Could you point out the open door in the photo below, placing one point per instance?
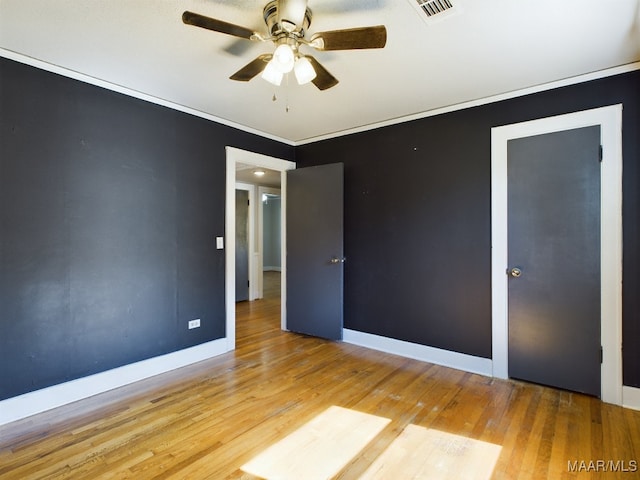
(315, 256)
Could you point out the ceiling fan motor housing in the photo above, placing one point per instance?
(276, 28)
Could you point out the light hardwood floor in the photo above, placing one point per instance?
(206, 420)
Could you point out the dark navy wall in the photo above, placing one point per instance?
(418, 218)
(109, 209)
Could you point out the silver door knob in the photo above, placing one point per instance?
(515, 272)
(335, 260)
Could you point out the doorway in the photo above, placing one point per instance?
(270, 217)
(234, 157)
(610, 121)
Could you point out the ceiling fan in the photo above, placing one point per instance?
(287, 22)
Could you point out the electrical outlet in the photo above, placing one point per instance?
(194, 323)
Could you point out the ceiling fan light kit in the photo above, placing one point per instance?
(272, 75)
(304, 71)
(287, 22)
(283, 58)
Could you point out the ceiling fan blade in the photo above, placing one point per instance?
(291, 14)
(324, 79)
(252, 69)
(197, 20)
(350, 38)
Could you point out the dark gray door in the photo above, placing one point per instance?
(242, 245)
(315, 261)
(554, 259)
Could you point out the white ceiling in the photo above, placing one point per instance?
(246, 174)
(490, 48)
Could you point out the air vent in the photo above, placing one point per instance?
(434, 7)
(435, 10)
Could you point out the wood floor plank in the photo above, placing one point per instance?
(208, 419)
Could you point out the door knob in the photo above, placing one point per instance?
(335, 260)
(515, 272)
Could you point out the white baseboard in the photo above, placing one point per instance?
(28, 404)
(631, 397)
(459, 361)
(31, 403)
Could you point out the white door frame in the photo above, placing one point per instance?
(234, 156)
(610, 121)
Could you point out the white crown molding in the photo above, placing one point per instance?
(610, 72)
(394, 121)
(65, 72)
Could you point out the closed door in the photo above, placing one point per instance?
(315, 261)
(242, 245)
(554, 259)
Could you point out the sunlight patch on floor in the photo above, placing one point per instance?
(320, 448)
(422, 453)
